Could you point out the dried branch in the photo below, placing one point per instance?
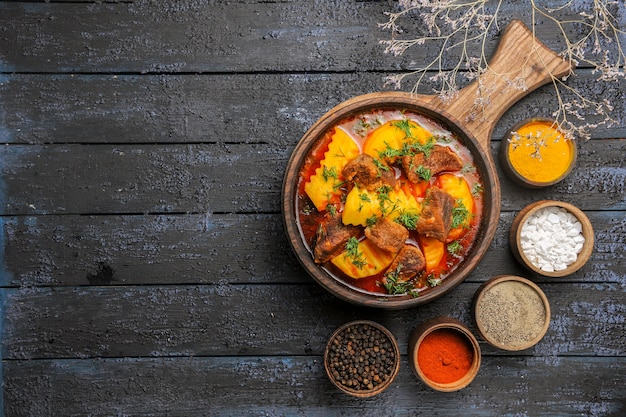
(456, 27)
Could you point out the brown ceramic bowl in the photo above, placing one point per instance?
(511, 312)
(376, 365)
(515, 237)
(304, 252)
(455, 329)
(515, 175)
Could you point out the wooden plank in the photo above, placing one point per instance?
(209, 36)
(143, 266)
(144, 249)
(142, 179)
(239, 320)
(221, 249)
(224, 108)
(223, 178)
(276, 386)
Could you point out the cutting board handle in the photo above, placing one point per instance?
(520, 64)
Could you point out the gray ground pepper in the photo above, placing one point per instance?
(512, 313)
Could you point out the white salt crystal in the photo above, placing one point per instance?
(573, 232)
(552, 238)
(553, 218)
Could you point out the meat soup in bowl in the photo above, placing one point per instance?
(389, 202)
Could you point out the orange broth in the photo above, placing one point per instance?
(359, 127)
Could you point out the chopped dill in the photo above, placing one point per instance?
(382, 193)
(405, 125)
(426, 148)
(433, 281)
(477, 189)
(328, 173)
(352, 251)
(394, 286)
(340, 153)
(338, 185)
(423, 172)
(409, 148)
(381, 166)
(361, 127)
(408, 220)
(460, 214)
(468, 168)
(455, 247)
(390, 152)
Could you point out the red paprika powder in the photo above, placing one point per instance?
(445, 356)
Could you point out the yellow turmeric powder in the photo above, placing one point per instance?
(539, 152)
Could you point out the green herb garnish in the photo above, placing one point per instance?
(338, 185)
(425, 148)
(382, 193)
(460, 214)
(423, 172)
(394, 286)
(455, 247)
(380, 166)
(408, 220)
(329, 173)
(433, 281)
(390, 152)
(361, 127)
(409, 148)
(468, 168)
(352, 252)
(405, 125)
(371, 221)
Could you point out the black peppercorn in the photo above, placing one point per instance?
(361, 357)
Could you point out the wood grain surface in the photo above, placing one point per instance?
(144, 268)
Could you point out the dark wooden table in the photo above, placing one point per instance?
(143, 265)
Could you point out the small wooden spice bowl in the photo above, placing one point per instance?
(444, 354)
(518, 240)
(362, 358)
(511, 313)
(518, 154)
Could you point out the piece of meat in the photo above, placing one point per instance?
(387, 235)
(408, 263)
(436, 216)
(440, 159)
(366, 173)
(331, 239)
